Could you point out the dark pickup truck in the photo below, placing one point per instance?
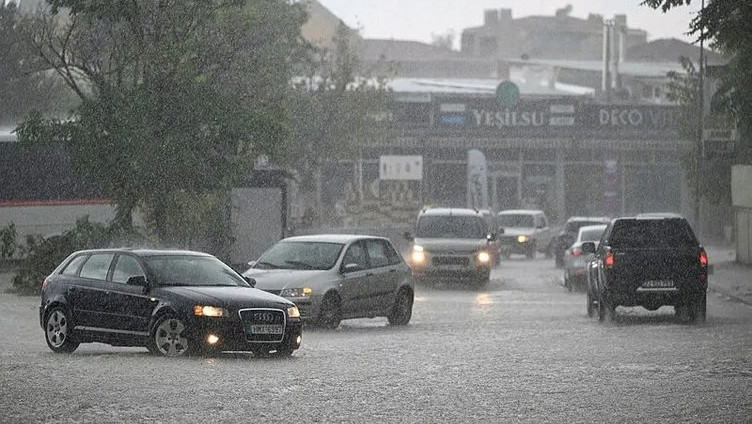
(649, 262)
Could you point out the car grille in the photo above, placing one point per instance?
(508, 239)
(451, 260)
(263, 318)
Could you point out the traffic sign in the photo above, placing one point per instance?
(507, 93)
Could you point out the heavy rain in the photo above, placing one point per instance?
(358, 211)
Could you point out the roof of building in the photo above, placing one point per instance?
(670, 50)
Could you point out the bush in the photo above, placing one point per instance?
(8, 241)
(42, 255)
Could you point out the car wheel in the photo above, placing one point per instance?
(601, 310)
(698, 309)
(402, 310)
(609, 309)
(331, 312)
(58, 331)
(169, 337)
(591, 305)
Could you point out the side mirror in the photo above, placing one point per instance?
(350, 268)
(408, 236)
(137, 280)
(251, 282)
(588, 247)
(251, 264)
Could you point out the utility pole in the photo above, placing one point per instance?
(700, 142)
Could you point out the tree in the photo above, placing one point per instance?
(727, 26)
(178, 97)
(23, 83)
(709, 178)
(333, 111)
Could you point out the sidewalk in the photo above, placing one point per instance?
(727, 277)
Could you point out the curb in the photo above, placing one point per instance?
(729, 295)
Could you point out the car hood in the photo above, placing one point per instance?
(451, 244)
(228, 297)
(278, 279)
(518, 231)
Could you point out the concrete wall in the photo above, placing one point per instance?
(741, 197)
(48, 218)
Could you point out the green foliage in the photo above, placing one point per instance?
(23, 83)
(42, 255)
(727, 26)
(8, 241)
(177, 96)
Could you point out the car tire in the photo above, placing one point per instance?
(330, 314)
(58, 331)
(592, 306)
(698, 309)
(169, 337)
(609, 309)
(402, 310)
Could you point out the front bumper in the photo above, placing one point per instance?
(233, 337)
(452, 265)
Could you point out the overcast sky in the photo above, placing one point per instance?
(419, 19)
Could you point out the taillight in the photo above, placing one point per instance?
(576, 252)
(703, 258)
(608, 261)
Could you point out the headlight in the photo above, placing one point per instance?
(209, 311)
(296, 292)
(418, 255)
(522, 239)
(293, 312)
(483, 256)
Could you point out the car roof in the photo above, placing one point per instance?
(521, 212)
(589, 218)
(450, 212)
(659, 215)
(332, 238)
(147, 251)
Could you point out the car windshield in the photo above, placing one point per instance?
(470, 227)
(517, 220)
(637, 233)
(301, 255)
(179, 270)
(592, 234)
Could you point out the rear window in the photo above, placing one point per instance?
(630, 233)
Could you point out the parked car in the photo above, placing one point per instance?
(525, 232)
(452, 242)
(172, 302)
(568, 234)
(575, 260)
(332, 277)
(649, 261)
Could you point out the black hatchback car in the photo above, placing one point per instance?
(172, 302)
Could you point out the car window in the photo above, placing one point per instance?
(391, 254)
(356, 254)
(377, 253)
(126, 267)
(74, 265)
(189, 270)
(517, 220)
(97, 266)
(638, 233)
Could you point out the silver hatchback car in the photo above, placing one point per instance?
(331, 277)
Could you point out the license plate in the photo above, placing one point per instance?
(658, 284)
(266, 329)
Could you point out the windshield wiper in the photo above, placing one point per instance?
(301, 264)
(267, 264)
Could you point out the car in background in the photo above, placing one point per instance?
(649, 261)
(332, 277)
(174, 303)
(576, 261)
(492, 220)
(526, 231)
(452, 242)
(567, 236)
